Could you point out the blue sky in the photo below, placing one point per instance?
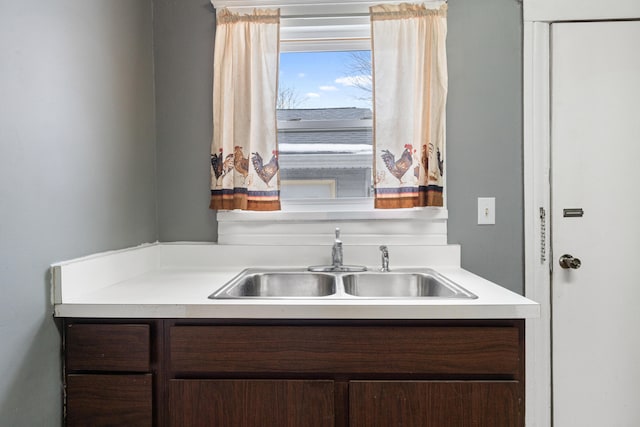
(321, 79)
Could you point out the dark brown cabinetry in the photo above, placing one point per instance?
(308, 373)
(109, 374)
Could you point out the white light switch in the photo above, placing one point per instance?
(486, 210)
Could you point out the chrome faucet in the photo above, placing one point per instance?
(336, 251)
(337, 265)
(385, 258)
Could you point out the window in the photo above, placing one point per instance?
(309, 28)
(324, 124)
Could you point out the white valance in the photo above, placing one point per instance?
(311, 8)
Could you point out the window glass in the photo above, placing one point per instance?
(324, 124)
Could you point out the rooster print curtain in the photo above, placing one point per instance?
(244, 151)
(410, 91)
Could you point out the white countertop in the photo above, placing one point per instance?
(175, 280)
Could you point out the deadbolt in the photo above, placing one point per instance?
(568, 261)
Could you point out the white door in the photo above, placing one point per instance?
(595, 158)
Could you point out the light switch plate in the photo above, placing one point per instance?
(486, 210)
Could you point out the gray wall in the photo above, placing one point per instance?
(77, 170)
(484, 129)
(183, 51)
(484, 136)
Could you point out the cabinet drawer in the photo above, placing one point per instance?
(109, 400)
(458, 350)
(95, 347)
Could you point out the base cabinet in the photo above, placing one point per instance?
(181, 372)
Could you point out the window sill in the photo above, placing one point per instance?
(321, 211)
(313, 222)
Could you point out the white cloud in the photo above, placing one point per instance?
(328, 88)
(301, 75)
(313, 95)
(354, 80)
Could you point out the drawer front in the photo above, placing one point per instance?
(407, 350)
(109, 400)
(96, 347)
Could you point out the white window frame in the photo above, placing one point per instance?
(325, 25)
(327, 184)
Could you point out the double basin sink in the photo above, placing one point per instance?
(304, 284)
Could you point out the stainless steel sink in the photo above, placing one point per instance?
(427, 284)
(278, 284)
(303, 284)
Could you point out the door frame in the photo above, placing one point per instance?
(537, 191)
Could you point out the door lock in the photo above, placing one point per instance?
(568, 261)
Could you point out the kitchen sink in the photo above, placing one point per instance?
(402, 285)
(304, 284)
(278, 284)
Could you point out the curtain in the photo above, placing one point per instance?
(244, 151)
(410, 90)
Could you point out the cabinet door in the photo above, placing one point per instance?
(109, 400)
(435, 404)
(251, 403)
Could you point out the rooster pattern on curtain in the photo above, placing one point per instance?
(407, 174)
(242, 170)
(400, 167)
(221, 165)
(267, 171)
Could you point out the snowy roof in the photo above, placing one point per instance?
(349, 113)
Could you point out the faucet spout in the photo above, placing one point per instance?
(385, 258)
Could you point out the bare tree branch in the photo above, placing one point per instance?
(289, 98)
(360, 66)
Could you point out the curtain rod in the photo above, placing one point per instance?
(252, 4)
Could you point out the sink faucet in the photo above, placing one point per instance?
(385, 258)
(336, 251)
(337, 265)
